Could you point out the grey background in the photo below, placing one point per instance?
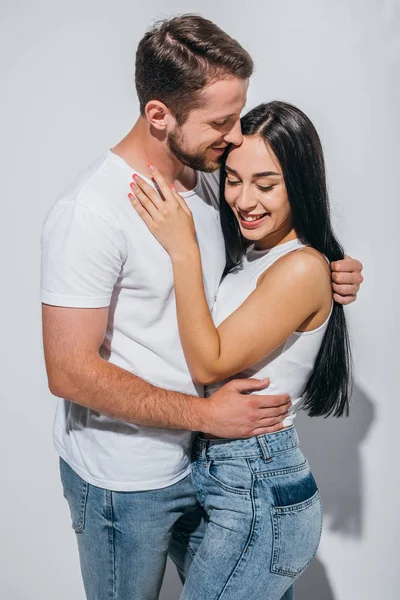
(66, 96)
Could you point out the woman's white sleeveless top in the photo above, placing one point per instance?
(289, 366)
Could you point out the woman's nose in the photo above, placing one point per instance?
(245, 202)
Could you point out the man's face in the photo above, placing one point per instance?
(202, 141)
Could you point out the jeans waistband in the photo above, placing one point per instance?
(261, 445)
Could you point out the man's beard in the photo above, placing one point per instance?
(198, 161)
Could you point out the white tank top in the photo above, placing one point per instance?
(289, 366)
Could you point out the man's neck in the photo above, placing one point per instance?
(142, 146)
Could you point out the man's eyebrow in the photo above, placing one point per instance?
(256, 175)
(222, 118)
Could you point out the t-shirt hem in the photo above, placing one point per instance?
(74, 301)
(118, 486)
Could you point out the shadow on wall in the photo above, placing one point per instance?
(333, 448)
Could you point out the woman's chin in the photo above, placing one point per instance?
(253, 235)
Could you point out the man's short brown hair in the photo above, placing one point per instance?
(178, 57)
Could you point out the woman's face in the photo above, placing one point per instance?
(256, 192)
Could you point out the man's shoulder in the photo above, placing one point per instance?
(99, 188)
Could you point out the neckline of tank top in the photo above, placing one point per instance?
(262, 252)
(123, 163)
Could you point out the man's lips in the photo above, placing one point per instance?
(219, 148)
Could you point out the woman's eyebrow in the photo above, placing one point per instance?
(266, 174)
(256, 175)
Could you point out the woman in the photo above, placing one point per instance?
(274, 318)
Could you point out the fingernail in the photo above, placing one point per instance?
(130, 196)
(133, 185)
(135, 176)
(173, 188)
(151, 167)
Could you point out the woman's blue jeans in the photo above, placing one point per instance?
(255, 529)
(263, 518)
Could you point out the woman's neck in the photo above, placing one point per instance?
(276, 238)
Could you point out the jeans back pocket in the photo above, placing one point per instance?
(296, 532)
(75, 492)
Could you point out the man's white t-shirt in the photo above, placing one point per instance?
(97, 252)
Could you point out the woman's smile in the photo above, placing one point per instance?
(251, 221)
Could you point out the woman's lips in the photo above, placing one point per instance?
(252, 224)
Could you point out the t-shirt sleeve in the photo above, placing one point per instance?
(82, 256)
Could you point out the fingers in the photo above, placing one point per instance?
(345, 289)
(270, 402)
(274, 412)
(142, 212)
(270, 429)
(344, 300)
(169, 192)
(181, 201)
(164, 188)
(347, 264)
(248, 385)
(147, 196)
(346, 278)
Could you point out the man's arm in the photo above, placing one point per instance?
(72, 338)
(346, 279)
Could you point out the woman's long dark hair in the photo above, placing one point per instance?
(295, 143)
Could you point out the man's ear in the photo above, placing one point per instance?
(158, 115)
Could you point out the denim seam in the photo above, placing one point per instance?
(275, 528)
(185, 542)
(110, 526)
(283, 510)
(80, 525)
(223, 457)
(284, 449)
(226, 487)
(266, 474)
(247, 545)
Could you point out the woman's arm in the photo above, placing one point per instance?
(294, 288)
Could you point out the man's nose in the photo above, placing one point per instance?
(235, 135)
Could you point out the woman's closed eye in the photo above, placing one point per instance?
(262, 188)
(267, 188)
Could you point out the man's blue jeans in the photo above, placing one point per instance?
(124, 538)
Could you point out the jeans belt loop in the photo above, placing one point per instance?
(204, 451)
(264, 448)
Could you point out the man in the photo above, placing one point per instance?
(112, 348)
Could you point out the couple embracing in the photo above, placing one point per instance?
(188, 311)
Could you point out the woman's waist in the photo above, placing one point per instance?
(260, 445)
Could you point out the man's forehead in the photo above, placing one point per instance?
(223, 99)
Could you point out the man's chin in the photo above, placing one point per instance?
(210, 167)
(200, 164)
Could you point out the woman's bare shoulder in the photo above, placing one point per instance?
(304, 263)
